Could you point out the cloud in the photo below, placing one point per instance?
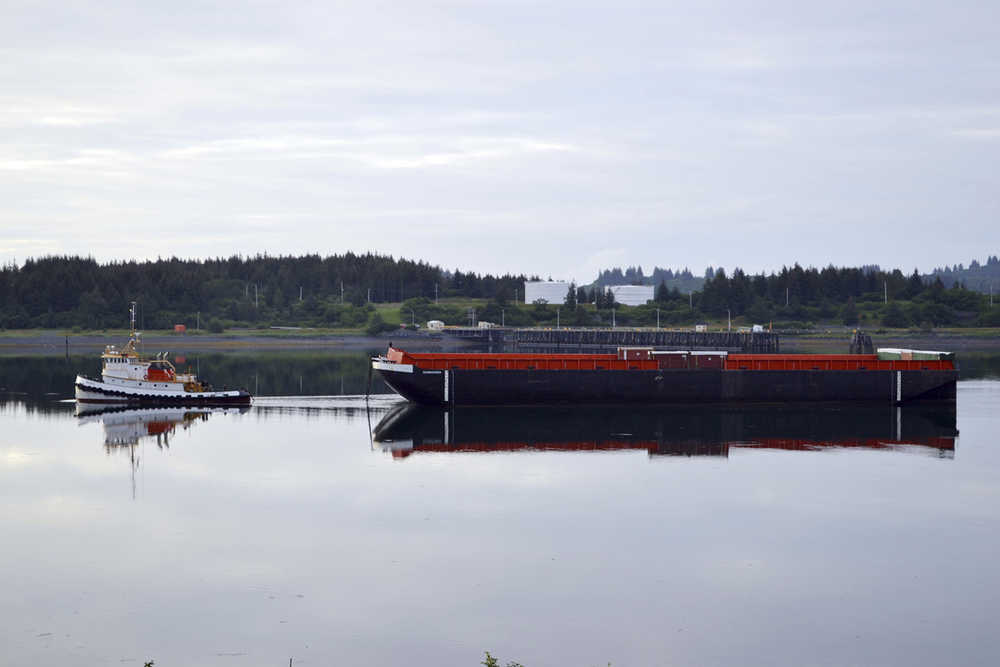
(509, 136)
(982, 134)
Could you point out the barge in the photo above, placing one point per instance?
(646, 375)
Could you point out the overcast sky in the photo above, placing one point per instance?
(554, 138)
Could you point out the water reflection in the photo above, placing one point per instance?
(126, 428)
(668, 431)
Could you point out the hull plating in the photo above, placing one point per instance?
(520, 387)
(92, 391)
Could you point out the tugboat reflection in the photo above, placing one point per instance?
(125, 428)
(668, 431)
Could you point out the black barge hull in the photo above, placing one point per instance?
(525, 387)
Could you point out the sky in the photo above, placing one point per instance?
(553, 138)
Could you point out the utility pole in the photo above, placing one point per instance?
(885, 287)
(300, 292)
(657, 318)
(369, 295)
(612, 318)
(502, 323)
(691, 300)
(729, 318)
(256, 300)
(786, 297)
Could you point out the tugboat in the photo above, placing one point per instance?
(126, 377)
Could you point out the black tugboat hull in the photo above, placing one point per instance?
(94, 391)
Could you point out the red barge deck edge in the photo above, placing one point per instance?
(643, 375)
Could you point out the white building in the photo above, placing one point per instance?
(632, 295)
(550, 291)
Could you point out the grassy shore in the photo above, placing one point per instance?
(831, 338)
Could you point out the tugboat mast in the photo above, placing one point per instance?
(133, 336)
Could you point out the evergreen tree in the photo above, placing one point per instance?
(849, 313)
(571, 296)
(893, 316)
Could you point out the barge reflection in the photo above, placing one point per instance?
(668, 431)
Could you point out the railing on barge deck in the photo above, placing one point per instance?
(760, 342)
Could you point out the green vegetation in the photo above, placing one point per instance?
(490, 661)
(682, 280)
(865, 297)
(339, 291)
(372, 294)
(979, 277)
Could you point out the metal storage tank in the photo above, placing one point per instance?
(632, 295)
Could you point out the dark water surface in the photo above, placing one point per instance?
(829, 535)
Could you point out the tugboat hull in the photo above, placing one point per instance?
(150, 393)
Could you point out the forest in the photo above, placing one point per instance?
(63, 292)
(376, 292)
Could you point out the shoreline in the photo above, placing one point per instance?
(49, 342)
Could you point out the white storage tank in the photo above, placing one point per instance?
(549, 291)
(632, 295)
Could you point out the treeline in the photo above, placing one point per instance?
(980, 277)
(983, 277)
(850, 295)
(795, 298)
(341, 290)
(682, 279)
(73, 291)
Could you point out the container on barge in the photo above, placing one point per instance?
(645, 375)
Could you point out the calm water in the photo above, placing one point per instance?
(771, 536)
